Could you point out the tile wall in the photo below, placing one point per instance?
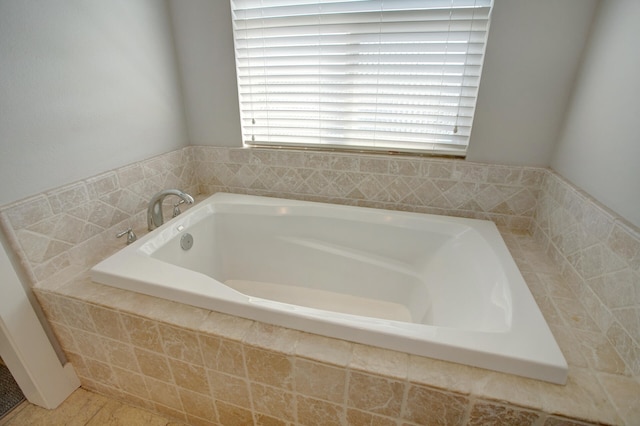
(507, 195)
(60, 234)
(598, 254)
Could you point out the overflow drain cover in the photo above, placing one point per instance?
(186, 241)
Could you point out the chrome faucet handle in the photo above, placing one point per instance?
(176, 208)
(131, 236)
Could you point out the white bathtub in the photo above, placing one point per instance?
(436, 286)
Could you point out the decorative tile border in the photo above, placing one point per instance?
(506, 195)
(599, 256)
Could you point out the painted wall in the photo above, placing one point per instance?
(533, 54)
(599, 147)
(86, 86)
(204, 43)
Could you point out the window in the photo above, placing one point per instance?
(385, 75)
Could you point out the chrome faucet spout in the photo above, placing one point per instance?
(154, 210)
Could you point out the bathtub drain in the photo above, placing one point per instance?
(186, 241)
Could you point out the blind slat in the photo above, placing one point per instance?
(371, 74)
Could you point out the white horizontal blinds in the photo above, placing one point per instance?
(397, 75)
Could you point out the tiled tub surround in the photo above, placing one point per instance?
(503, 194)
(598, 255)
(157, 352)
(59, 233)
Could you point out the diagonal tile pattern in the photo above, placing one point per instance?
(506, 195)
(599, 255)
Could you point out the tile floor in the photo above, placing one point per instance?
(84, 408)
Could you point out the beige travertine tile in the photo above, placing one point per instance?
(78, 363)
(181, 315)
(197, 421)
(64, 336)
(616, 289)
(107, 390)
(231, 415)
(625, 394)
(428, 406)
(189, 376)
(402, 167)
(264, 420)
(197, 404)
(27, 212)
(486, 413)
(68, 197)
(597, 310)
(575, 315)
(599, 353)
(374, 165)
(379, 361)
(320, 381)
(629, 319)
(272, 337)
(549, 311)
(120, 354)
(375, 394)
(108, 323)
(101, 372)
(170, 413)
(143, 332)
(131, 383)
(164, 393)
(444, 375)
(75, 313)
(314, 412)
(153, 364)
(361, 418)
(569, 345)
(581, 398)
(628, 349)
(229, 388)
(273, 402)
(180, 344)
(222, 355)
(507, 387)
(625, 242)
(49, 303)
(269, 368)
(556, 285)
(325, 349)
